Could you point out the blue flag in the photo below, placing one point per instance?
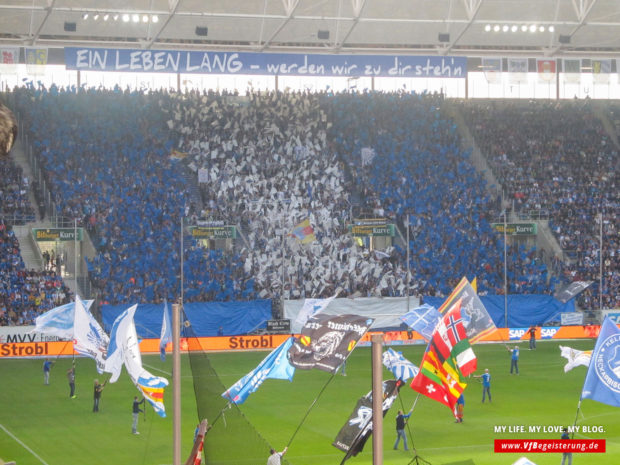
(603, 378)
(422, 319)
(275, 366)
(166, 332)
(400, 367)
(58, 321)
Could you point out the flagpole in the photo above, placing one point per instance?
(310, 409)
(75, 258)
(600, 260)
(505, 269)
(182, 260)
(176, 383)
(408, 265)
(377, 399)
(415, 401)
(576, 416)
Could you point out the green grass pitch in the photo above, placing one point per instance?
(40, 425)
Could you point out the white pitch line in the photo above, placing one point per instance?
(157, 369)
(16, 439)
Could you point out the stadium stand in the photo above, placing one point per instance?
(15, 207)
(272, 160)
(24, 294)
(556, 160)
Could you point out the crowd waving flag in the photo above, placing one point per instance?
(400, 367)
(89, 338)
(166, 332)
(303, 232)
(448, 358)
(58, 321)
(327, 340)
(575, 357)
(478, 323)
(124, 350)
(423, 320)
(274, 366)
(602, 381)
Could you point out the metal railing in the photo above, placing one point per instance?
(16, 219)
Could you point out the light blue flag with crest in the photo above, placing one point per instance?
(166, 332)
(400, 367)
(58, 321)
(274, 366)
(422, 319)
(603, 378)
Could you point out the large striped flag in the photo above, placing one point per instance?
(438, 381)
(124, 350)
(400, 367)
(451, 339)
(448, 358)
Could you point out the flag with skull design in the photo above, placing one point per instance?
(326, 341)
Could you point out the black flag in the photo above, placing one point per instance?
(353, 435)
(477, 321)
(327, 340)
(570, 291)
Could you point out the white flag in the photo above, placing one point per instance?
(88, 337)
(58, 321)
(575, 357)
(166, 332)
(312, 307)
(124, 350)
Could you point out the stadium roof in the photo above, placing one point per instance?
(578, 27)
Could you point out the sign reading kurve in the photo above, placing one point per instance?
(516, 229)
(57, 234)
(214, 232)
(371, 230)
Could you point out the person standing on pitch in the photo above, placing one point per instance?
(276, 457)
(136, 414)
(71, 380)
(47, 366)
(97, 395)
(566, 455)
(486, 383)
(401, 421)
(460, 407)
(532, 332)
(514, 359)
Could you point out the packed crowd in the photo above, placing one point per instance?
(557, 158)
(24, 294)
(268, 161)
(15, 205)
(114, 172)
(418, 171)
(269, 167)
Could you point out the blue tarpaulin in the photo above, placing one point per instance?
(523, 310)
(205, 317)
